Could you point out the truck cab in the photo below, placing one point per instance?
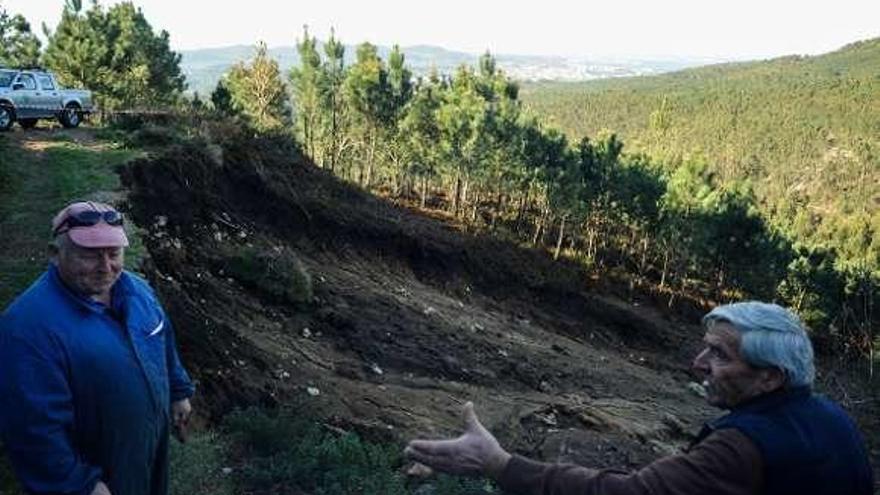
(27, 95)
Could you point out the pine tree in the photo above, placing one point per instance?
(221, 99)
(333, 104)
(77, 50)
(258, 92)
(19, 47)
(306, 81)
(368, 94)
(420, 133)
(116, 54)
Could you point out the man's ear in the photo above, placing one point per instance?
(53, 251)
(772, 379)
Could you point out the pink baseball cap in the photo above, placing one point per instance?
(86, 229)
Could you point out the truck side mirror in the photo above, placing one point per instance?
(17, 86)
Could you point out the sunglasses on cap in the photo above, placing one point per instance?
(89, 218)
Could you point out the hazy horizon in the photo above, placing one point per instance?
(750, 29)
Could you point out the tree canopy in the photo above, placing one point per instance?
(116, 54)
(19, 47)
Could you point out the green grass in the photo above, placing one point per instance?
(288, 452)
(197, 467)
(39, 182)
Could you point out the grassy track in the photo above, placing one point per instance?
(41, 172)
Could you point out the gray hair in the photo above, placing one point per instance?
(771, 337)
(61, 242)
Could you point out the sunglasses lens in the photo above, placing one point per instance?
(89, 217)
(92, 217)
(113, 217)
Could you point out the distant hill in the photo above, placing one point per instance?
(803, 130)
(204, 67)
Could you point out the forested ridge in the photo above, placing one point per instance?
(802, 131)
(751, 180)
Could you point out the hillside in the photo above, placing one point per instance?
(409, 318)
(802, 130)
(404, 317)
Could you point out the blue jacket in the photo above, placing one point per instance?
(85, 389)
(808, 444)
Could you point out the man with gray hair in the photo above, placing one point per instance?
(90, 379)
(778, 437)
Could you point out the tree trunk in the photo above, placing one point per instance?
(371, 154)
(561, 236)
(424, 197)
(475, 207)
(333, 130)
(539, 227)
(499, 206)
(456, 191)
(463, 204)
(665, 268)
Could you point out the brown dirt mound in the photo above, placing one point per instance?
(407, 317)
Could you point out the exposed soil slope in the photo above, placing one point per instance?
(409, 318)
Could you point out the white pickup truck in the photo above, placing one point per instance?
(29, 95)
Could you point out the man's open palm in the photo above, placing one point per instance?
(475, 453)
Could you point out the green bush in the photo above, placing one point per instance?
(288, 452)
(276, 273)
(151, 136)
(197, 466)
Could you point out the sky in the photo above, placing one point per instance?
(718, 29)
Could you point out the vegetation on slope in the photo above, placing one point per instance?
(680, 223)
(801, 130)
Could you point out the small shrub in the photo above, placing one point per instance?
(289, 452)
(276, 273)
(152, 135)
(197, 467)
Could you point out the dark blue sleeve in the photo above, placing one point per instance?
(181, 385)
(37, 417)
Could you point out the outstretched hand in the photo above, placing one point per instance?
(475, 453)
(101, 489)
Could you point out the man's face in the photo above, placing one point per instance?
(729, 380)
(90, 271)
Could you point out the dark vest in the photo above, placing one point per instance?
(808, 444)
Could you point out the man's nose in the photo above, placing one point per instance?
(106, 261)
(699, 363)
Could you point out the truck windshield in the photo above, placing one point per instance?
(6, 78)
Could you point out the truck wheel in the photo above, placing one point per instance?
(27, 123)
(7, 117)
(70, 116)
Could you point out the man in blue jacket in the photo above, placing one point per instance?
(90, 379)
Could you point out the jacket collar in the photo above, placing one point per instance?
(773, 399)
(757, 405)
